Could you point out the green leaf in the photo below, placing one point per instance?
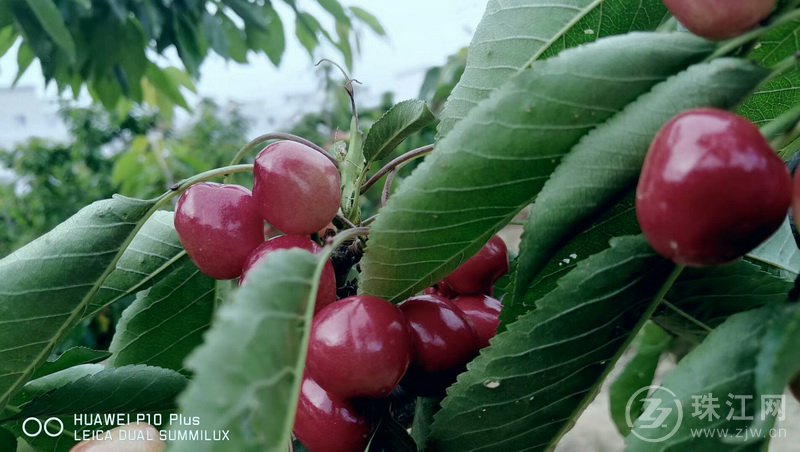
(46, 286)
(253, 357)
(53, 23)
(306, 32)
(370, 20)
(8, 36)
(779, 359)
(24, 59)
(398, 123)
(128, 389)
(607, 162)
(8, 442)
(513, 34)
(153, 252)
(390, 436)
(167, 321)
(72, 357)
(498, 158)
(424, 411)
(781, 93)
(779, 252)
(723, 364)
(531, 384)
(46, 384)
(275, 44)
(336, 10)
(165, 85)
(638, 373)
(250, 13)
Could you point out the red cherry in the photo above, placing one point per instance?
(478, 273)
(711, 189)
(326, 294)
(483, 314)
(359, 347)
(326, 423)
(443, 339)
(719, 19)
(218, 226)
(295, 187)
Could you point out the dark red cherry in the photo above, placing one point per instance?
(326, 423)
(478, 273)
(719, 19)
(218, 226)
(483, 314)
(711, 189)
(443, 338)
(326, 293)
(360, 346)
(296, 188)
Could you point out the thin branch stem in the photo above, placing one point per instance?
(261, 139)
(387, 186)
(345, 221)
(397, 163)
(346, 235)
(348, 87)
(730, 46)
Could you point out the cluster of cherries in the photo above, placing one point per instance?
(363, 347)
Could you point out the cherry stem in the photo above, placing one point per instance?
(732, 45)
(687, 316)
(345, 221)
(261, 139)
(387, 186)
(397, 163)
(348, 87)
(348, 234)
(780, 125)
(178, 188)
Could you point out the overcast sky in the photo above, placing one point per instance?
(421, 33)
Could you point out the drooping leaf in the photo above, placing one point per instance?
(638, 373)
(720, 368)
(779, 252)
(306, 32)
(607, 162)
(167, 321)
(72, 357)
(8, 36)
(53, 23)
(370, 20)
(397, 124)
(46, 286)
(513, 34)
(497, 159)
(531, 384)
(154, 251)
(253, 357)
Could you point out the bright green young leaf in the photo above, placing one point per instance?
(370, 20)
(513, 34)
(607, 162)
(336, 10)
(497, 159)
(723, 364)
(780, 252)
(24, 59)
(306, 32)
(8, 36)
(398, 123)
(72, 357)
(783, 92)
(531, 384)
(50, 18)
(248, 371)
(638, 373)
(46, 286)
(167, 321)
(154, 252)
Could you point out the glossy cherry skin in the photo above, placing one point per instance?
(296, 188)
(483, 314)
(218, 226)
(720, 19)
(442, 336)
(326, 423)
(711, 189)
(478, 273)
(326, 293)
(360, 346)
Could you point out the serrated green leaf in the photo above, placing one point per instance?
(398, 123)
(51, 21)
(779, 252)
(527, 388)
(368, 19)
(46, 286)
(607, 161)
(723, 364)
(74, 356)
(496, 160)
(638, 373)
(511, 35)
(253, 357)
(153, 252)
(167, 321)
(43, 385)
(783, 92)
